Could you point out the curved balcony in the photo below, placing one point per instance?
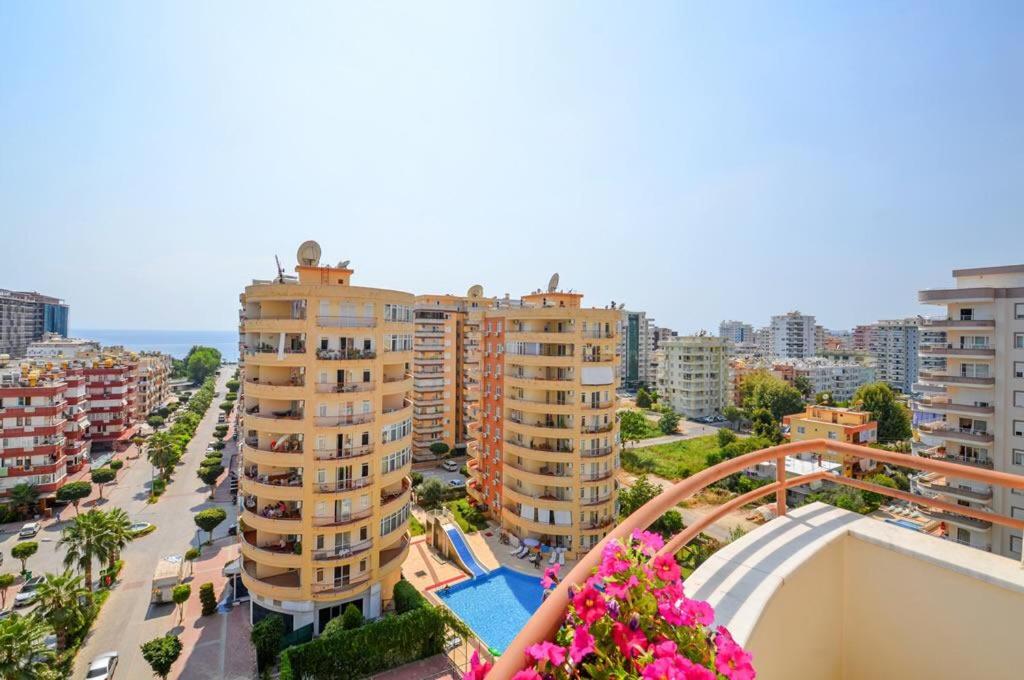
(344, 454)
(346, 321)
(343, 420)
(543, 476)
(599, 428)
(592, 477)
(538, 500)
(290, 358)
(287, 524)
(947, 379)
(542, 337)
(265, 390)
(540, 383)
(344, 388)
(284, 586)
(345, 355)
(601, 524)
(958, 492)
(957, 519)
(539, 406)
(598, 452)
(271, 556)
(601, 499)
(343, 519)
(391, 503)
(272, 423)
(343, 486)
(277, 492)
(392, 557)
(554, 360)
(564, 430)
(943, 406)
(952, 352)
(341, 553)
(538, 455)
(959, 324)
(949, 432)
(270, 324)
(341, 588)
(537, 527)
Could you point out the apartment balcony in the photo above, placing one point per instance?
(270, 554)
(393, 501)
(510, 517)
(598, 428)
(959, 324)
(394, 556)
(957, 520)
(598, 405)
(283, 586)
(342, 486)
(345, 354)
(392, 414)
(343, 420)
(597, 525)
(274, 324)
(264, 519)
(598, 334)
(951, 295)
(555, 383)
(543, 476)
(958, 434)
(343, 454)
(538, 499)
(553, 360)
(346, 321)
(599, 476)
(949, 379)
(397, 384)
(284, 457)
(591, 500)
(342, 552)
(285, 390)
(292, 423)
(958, 492)
(553, 429)
(283, 489)
(344, 388)
(342, 519)
(597, 452)
(533, 405)
(952, 352)
(946, 406)
(341, 587)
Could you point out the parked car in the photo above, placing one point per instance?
(29, 530)
(450, 465)
(27, 594)
(102, 667)
(456, 483)
(222, 418)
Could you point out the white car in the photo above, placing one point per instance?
(102, 667)
(456, 483)
(29, 530)
(27, 594)
(450, 465)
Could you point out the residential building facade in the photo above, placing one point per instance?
(26, 317)
(838, 378)
(979, 394)
(327, 422)
(696, 376)
(637, 343)
(56, 347)
(894, 347)
(152, 377)
(793, 335)
(547, 439)
(736, 332)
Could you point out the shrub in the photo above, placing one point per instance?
(417, 478)
(158, 486)
(74, 492)
(352, 618)
(668, 423)
(155, 421)
(226, 406)
(161, 653)
(221, 428)
(24, 550)
(232, 385)
(439, 448)
(207, 597)
(116, 464)
(219, 446)
(725, 437)
(407, 597)
(209, 475)
(266, 637)
(179, 595)
(464, 471)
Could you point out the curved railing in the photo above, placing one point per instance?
(546, 620)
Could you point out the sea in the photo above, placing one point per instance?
(175, 343)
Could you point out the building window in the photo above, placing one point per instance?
(1018, 340)
(1018, 398)
(1016, 513)
(1018, 428)
(833, 435)
(1015, 544)
(1018, 310)
(1018, 456)
(1018, 369)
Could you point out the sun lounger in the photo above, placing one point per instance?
(554, 556)
(561, 556)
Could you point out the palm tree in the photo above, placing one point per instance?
(85, 539)
(23, 653)
(61, 599)
(22, 496)
(161, 451)
(118, 534)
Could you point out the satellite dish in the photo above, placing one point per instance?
(475, 291)
(309, 254)
(343, 264)
(553, 283)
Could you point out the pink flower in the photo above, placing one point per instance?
(621, 590)
(662, 669)
(614, 559)
(650, 541)
(550, 577)
(698, 611)
(582, 644)
(671, 592)
(732, 661)
(665, 648)
(590, 605)
(527, 674)
(630, 642)
(477, 670)
(547, 651)
(665, 568)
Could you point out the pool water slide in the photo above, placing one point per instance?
(466, 557)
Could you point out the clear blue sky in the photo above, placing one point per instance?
(700, 161)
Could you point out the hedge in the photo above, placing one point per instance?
(407, 597)
(386, 643)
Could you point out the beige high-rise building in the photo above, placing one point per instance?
(979, 396)
(152, 375)
(547, 440)
(695, 377)
(327, 442)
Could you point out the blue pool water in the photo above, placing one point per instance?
(465, 553)
(906, 524)
(496, 606)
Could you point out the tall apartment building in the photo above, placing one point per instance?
(980, 397)
(839, 378)
(547, 439)
(152, 376)
(864, 336)
(695, 381)
(636, 347)
(327, 422)
(112, 390)
(793, 336)
(26, 317)
(895, 348)
(763, 341)
(736, 332)
(43, 422)
(446, 369)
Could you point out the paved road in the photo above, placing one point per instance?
(444, 475)
(127, 620)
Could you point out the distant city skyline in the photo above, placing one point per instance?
(700, 162)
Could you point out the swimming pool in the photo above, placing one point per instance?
(905, 523)
(495, 606)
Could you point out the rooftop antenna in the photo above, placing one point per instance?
(343, 264)
(553, 283)
(280, 270)
(309, 254)
(475, 291)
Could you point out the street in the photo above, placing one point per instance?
(127, 620)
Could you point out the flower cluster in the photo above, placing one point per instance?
(632, 619)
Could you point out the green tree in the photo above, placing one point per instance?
(761, 389)
(875, 499)
(85, 539)
(24, 550)
(101, 476)
(191, 555)
(232, 385)
(201, 363)
(118, 527)
(352, 618)
(155, 421)
(266, 637)
(439, 448)
(209, 475)
(209, 519)
(208, 599)
(22, 496)
(416, 477)
(892, 417)
(179, 595)
(23, 652)
(6, 581)
(226, 406)
(633, 426)
(765, 425)
(643, 398)
(668, 423)
(804, 386)
(634, 497)
(161, 653)
(733, 414)
(74, 492)
(430, 493)
(162, 452)
(725, 437)
(62, 602)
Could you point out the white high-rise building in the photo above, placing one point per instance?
(694, 376)
(894, 346)
(980, 396)
(736, 332)
(793, 336)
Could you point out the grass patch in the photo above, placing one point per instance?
(467, 517)
(676, 460)
(416, 528)
(148, 530)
